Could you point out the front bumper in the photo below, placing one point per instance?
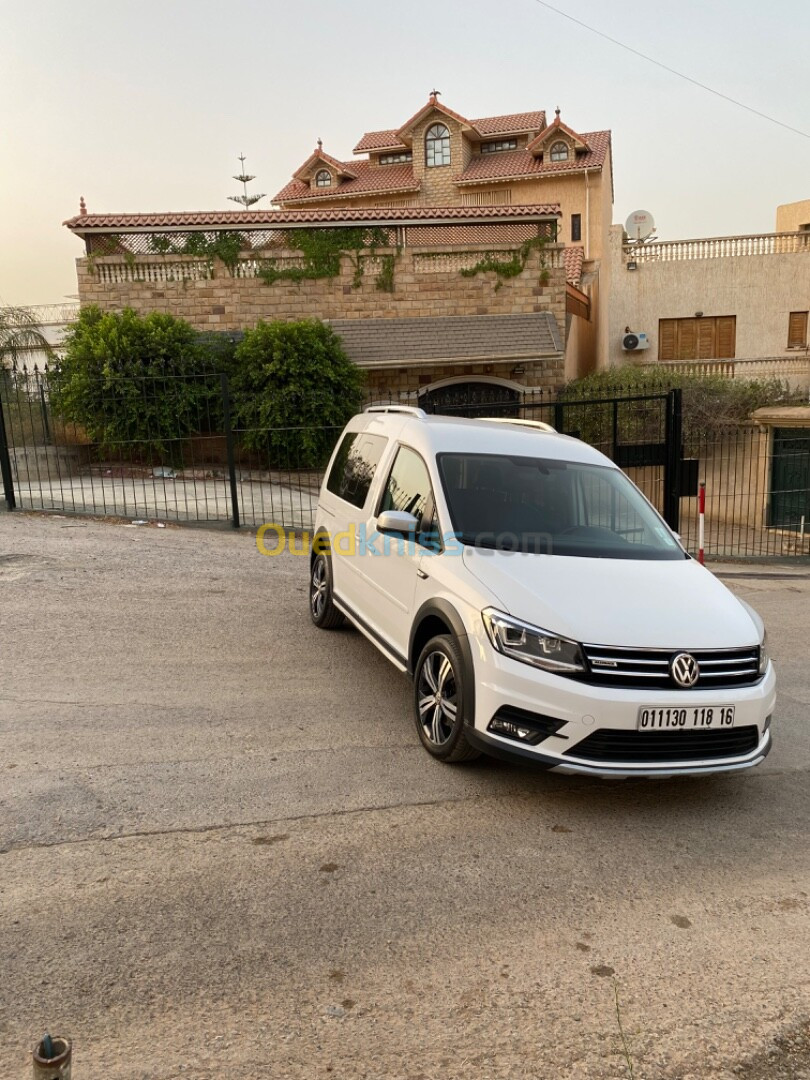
(586, 709)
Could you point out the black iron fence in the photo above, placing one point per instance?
(170, 449)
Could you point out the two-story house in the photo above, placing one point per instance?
(440, 158)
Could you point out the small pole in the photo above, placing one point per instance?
(5, 463)
(226, 416)
(701, 520)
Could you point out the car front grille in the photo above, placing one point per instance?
(608, 666)
(657, 747)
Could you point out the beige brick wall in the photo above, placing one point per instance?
(403, 383)
(227, 303)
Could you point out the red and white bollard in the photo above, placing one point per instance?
(701, 520)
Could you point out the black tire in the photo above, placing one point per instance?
(440, 722)
(321, 609)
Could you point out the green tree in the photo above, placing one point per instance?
(293, 386)
(136, 384)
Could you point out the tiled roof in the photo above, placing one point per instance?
(339, 166)
(271, 219)
(521, 164)
(380, 140)
(510, 124)
(573, 258)
(555, 126)
(432, 104)
(368, 180)
(460, 338)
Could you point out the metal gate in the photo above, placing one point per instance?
(789, 506)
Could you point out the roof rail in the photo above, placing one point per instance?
(538, 425)
(409, 410)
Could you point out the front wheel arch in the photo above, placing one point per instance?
(435, 617)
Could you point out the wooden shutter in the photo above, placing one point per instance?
(667, 339)
(706, 332)
(797, 330)
(687, 339)
(726, 337)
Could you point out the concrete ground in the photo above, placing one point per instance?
(224, 854)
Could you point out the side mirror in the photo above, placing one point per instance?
(397, 521)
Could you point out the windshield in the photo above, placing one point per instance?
(551, 507)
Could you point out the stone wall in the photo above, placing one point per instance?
(427, 283)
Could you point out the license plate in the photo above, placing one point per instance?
(675, 718)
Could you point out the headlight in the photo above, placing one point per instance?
(763, 654)
(531, 645)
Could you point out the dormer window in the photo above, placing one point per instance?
(559, 151)
(396, 159)
(496, 147)
(437, 146)
(323, 178)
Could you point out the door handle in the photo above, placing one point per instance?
(421, 573)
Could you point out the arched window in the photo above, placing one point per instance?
(323, 178)
(437, 146)
(559, 151)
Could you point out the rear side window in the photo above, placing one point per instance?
(354, 466)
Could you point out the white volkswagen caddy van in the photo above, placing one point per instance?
(542, 606)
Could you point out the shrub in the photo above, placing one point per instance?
(713, 405)
(292, 384)
(135, 382)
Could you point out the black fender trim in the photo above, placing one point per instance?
(318, 547)
(516, 755)
(445, 611)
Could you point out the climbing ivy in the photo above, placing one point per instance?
(511, 267)
(322, 250)
(385, 278)
(225, 246)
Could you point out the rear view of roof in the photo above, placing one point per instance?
(369, 180)
(512, 123)
(384, 342)
(380, 140)
(518, 164)
(509, 124)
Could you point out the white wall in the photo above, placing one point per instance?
(761, 290)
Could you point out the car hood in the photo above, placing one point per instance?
(665, 605)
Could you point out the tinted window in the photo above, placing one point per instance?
(551, 507)
(408, 488)
(354, 466)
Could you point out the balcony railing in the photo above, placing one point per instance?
(719, 247)
(795, 368)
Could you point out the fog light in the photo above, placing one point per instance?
(523, 726)
(511, 731)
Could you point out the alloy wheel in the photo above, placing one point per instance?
(319, 588)
(437, 697)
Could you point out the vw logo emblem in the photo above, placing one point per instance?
(684, 669)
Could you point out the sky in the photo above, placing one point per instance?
(145, 105)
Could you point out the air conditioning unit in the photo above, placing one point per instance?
(635, 342)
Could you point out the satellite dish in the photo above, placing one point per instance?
(639, 225)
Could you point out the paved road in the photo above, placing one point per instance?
(224, 854)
